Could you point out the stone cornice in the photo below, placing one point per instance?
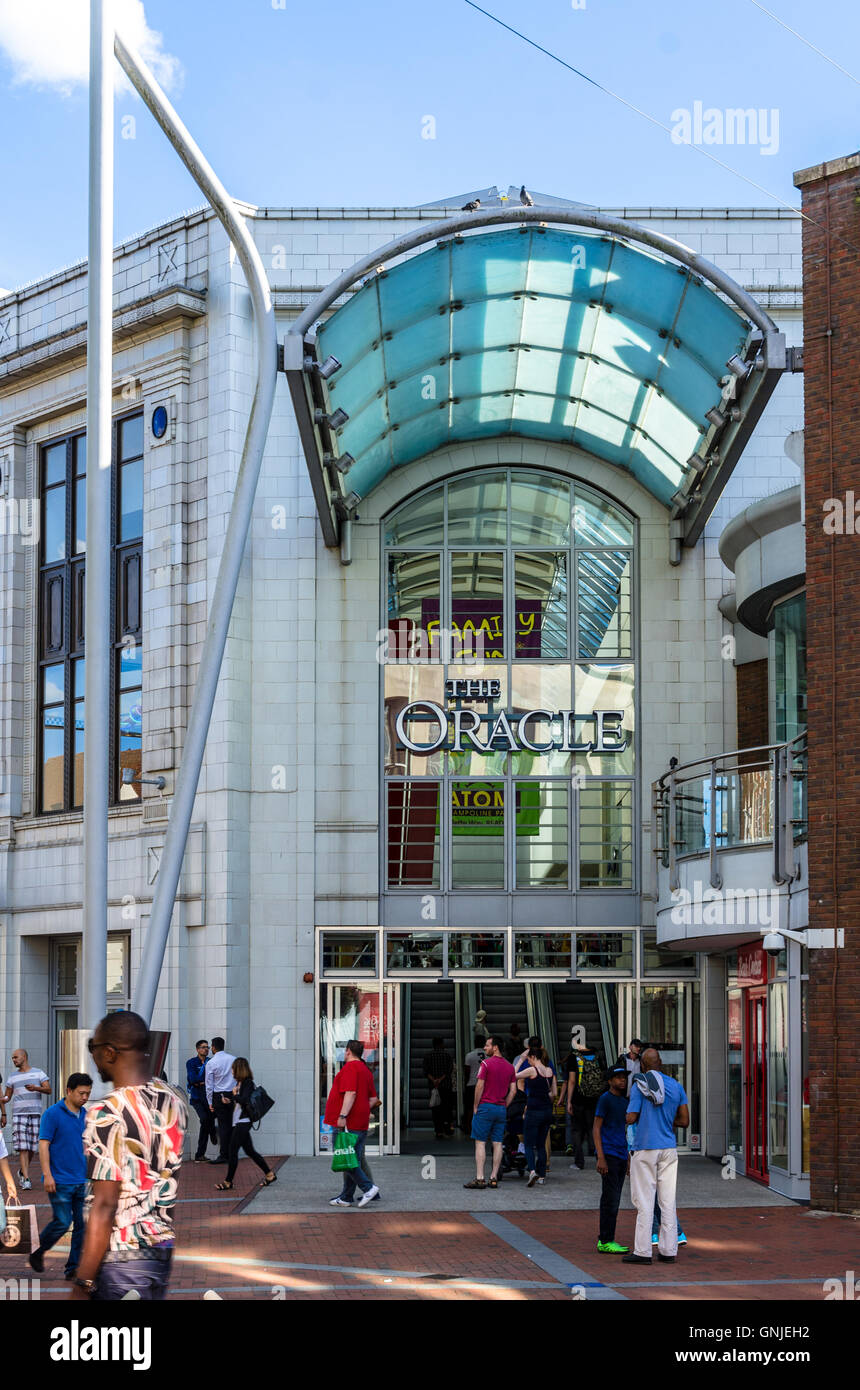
(177, 302)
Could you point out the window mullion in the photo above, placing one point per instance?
(68, 694)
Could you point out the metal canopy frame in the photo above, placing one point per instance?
(745, 392)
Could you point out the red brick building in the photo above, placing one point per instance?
(831, 313)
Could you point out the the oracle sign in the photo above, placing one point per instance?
(506, 731)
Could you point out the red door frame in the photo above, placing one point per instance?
(755, 1082)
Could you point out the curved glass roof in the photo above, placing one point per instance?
(567, 336)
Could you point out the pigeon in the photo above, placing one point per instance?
(471, 207)
(526, 198)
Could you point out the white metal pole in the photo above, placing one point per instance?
(221, 607)
(97, 632)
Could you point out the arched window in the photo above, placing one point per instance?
(508, 687)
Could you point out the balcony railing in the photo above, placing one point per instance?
(750, 797)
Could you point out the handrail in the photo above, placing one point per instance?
(735, 753)
(669, 796)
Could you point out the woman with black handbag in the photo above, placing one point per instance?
(240, 1135)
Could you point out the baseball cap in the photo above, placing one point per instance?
(616, 1071)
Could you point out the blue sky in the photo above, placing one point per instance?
(320, 103)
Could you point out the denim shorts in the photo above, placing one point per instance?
(488, 1123)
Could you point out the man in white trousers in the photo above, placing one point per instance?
(657, 1105)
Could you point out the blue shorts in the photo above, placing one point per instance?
(488, 1123)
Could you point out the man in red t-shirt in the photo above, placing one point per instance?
(348, 1107)
(494, 1090)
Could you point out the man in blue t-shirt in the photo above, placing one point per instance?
(610, 1143)
(657, 1105)
(64, 1168)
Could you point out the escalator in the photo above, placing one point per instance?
(429, 1009)
(443, 1009)
(592, 1005)
(505, 1003)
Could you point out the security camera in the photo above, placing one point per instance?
(773, 943)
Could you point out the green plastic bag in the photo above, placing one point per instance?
(344, 1156)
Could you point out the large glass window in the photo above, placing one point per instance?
(788, 668)
(65, 981)
(509, 681)
(61, 619)
(663, 1022)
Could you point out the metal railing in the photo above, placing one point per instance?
(749, 797)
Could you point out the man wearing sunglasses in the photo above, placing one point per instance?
(133, 1146)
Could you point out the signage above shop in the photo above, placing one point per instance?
(507, 731)
(752, 965)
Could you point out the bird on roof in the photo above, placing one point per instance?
(526, 198)
(471, 207)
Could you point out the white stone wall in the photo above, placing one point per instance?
(286, 817)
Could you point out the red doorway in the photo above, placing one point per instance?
(755, 1083)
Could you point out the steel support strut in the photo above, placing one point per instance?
(221, 607)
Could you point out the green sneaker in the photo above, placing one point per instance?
(611, 1247)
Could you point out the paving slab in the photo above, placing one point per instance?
(416, 1183)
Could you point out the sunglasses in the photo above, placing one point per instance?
(92, 1045)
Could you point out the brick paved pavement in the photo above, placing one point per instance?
(761, 1253)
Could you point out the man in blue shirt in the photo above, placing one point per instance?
(610, 1143)
(195, 1073)
(64, 1169)
(657, 1105)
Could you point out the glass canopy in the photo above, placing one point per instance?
(533, 331)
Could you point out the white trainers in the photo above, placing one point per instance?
(339, 1202)
(533, 1177)
(26, 1184)
(541, 1182)
(368, 1196)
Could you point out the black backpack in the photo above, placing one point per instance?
(258, 1104)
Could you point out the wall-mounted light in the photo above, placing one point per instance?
(737, 365)
(129, 779)
(716, 416)
(336, 421)
(328, 368)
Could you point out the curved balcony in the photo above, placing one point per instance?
(730, 853)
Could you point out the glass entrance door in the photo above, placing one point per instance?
(755, 1082)
(370, 1013)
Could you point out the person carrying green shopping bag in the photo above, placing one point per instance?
(348, 1110)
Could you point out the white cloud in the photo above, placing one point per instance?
(46, 42)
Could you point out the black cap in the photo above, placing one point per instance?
(616, 1071)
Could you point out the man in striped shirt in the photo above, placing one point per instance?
(25, 1088)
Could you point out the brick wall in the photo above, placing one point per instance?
(831, 283)
(752, 704)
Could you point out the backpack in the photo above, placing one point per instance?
(258, 1104)
(591, 1080)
